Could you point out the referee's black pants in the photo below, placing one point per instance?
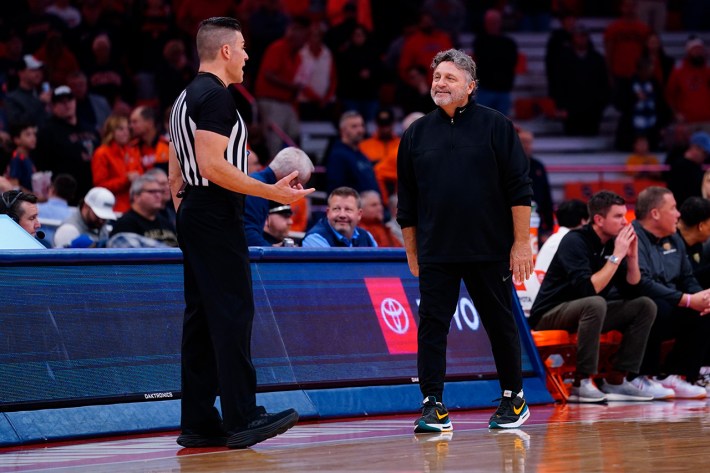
(219, 311)
(489, 285)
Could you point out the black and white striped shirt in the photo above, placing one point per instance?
(206, 105)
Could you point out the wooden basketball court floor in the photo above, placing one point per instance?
(655, 437)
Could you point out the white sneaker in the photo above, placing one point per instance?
(652, 388)
(624, 392)
(704, 382)
(586, 392)
(682, 388)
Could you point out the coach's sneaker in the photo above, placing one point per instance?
(511, 413)
(192, 439)
(682, 388)
(435, 417)
(586, 392)
(263, 426)
(624, 392)
(652, 388)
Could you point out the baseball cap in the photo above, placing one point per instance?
(701, 139)
(101, 201)
(278, 208)
(63, 92)
(31, 62)
(384, 117)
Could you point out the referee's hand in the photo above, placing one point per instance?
(289, 190)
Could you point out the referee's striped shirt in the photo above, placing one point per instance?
(206, 105)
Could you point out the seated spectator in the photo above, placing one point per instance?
(316, 72)
(339, 228)
(84, 228)
(144, 216)
(256, 209)
(685, 177)
(278, 223)
(62, 192)
(642, 157)
(381, 150)
(593, 267)
(571, 214)
(694, 229)
(168, 209)
(21, 167)
(373, 220)
(667, 278)
(92, 110)
(346, 165)
(152, 146)
(22, 208)
(414, 94)
(705, 186)
(116, 163)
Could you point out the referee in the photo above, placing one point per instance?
(208, 158)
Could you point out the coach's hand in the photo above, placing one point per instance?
(521, 264)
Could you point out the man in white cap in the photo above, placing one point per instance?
(82, 229)
(25, 104)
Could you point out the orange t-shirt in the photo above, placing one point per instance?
(625, 42)
(279, 60)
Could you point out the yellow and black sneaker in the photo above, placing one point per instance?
(435, 417)
(511, 413)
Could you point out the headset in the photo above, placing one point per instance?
(9, 200)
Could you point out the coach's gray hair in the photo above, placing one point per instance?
(292, 159)
(460, 59)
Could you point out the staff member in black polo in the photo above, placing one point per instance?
(208, 156)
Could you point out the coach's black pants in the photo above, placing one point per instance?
(489, 285)
(219, 311)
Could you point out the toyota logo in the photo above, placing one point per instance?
(394, 315)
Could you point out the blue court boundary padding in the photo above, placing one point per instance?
(32, 426)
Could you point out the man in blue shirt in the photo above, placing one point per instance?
(339, 227)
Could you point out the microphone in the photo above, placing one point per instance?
(40, 235)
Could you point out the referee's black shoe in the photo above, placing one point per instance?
(262, 427)
(192, 439)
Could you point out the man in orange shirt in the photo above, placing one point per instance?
(421, 46)
(373, 220)
(688, 90)
(152, 145)
(624, 42)
(381, 149)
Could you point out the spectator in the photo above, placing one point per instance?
(84, 227)
(173, 72)
(24, 103)
(63, 10)
(346, 165)
(624, 42)
(92, 110)
(339, 35)
(11, 63)
(107, 76)
(116, 163)
(381, 150)
(276, 89)
(583, 69)
(688, 90)
(168, 208)
(266, 24)
(20, 169)
(339, 227)
(667, 278)
(662, 63)
(542, 195)
(685, 177)
(414, 94)
(560, 40)
(316, 71)
(593, 266)
(61, 193)
(705, 188)
(63, 145)
(447, 15)
(152, 146)
(653, 13)
(58, 59)
(278, 223)
(642, 156)
(360, 74)
(144, 217)
(496, 56)
(694, 229)
(373, 220)
(640, 101)
(256, 209)
(22, 208)
(421, 46)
